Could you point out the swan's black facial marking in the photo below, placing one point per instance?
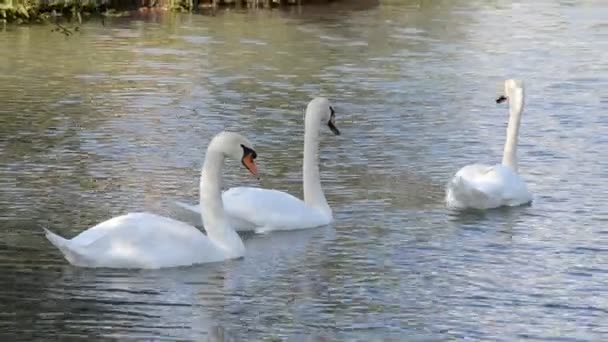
(332, 121)
(248, 160)
(501, 99)
(247, 151)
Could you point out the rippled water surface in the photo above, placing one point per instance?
(116, 118)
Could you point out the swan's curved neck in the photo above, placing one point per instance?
(313, 193)
(214, 218)
(516, 106)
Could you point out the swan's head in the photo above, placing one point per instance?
(236, 146)
(511, 86)
(320, 109)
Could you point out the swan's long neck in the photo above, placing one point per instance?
(313, 193)
(214, 218)
(516, 105)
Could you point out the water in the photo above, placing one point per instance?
(116, 118)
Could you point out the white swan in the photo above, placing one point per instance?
(265, 210)
(144, 240)
(484, 187)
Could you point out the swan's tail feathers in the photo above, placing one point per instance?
(55, 239)
(65, 247)
(461, 194)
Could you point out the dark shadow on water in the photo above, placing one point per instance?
(321, 6)
(502, 218)
(468, 215)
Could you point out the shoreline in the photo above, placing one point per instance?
(45, 11)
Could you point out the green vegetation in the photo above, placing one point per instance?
(32, 11)
(40, 11)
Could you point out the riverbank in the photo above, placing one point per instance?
(40, 11)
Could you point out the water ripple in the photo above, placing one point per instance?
(116, 118)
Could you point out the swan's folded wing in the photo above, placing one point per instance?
(515, 190)
(270, 209)
(104, 228)
(490, 183)
(482, 186)
(477, 186)
(143, 240)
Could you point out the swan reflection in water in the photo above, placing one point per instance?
(187, 302)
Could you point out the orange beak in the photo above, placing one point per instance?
(250, 165)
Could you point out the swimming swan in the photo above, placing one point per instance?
(144, 240)
(484, 187)
(265, 210)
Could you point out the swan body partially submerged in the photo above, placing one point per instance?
(481, 186)
(266, 210)
(145, 240)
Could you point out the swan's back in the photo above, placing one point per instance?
(272, 209)
(482, 187)
(139, 240)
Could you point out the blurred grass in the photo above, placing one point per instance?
(27, 11)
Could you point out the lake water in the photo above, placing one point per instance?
(116, 118)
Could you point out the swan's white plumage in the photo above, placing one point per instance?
(144, 240)
(265, 210)
(138, 240)
(481, 186)
(287, 212)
